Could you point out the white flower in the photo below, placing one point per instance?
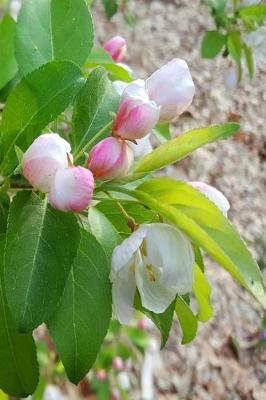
(158, 259)
(141, 147)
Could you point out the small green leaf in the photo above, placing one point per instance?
(178, 148)
(110, 7)
(103, 230)
(50, 30)
(93, 106)
(212, 44)
(7, 58)
(202, 291)
(37, 100)
(198, 257)
(18, 361)
(187, 320)
(81, 321)
(205, 224)
(249, 60)
(99, 57)
(255, 13)
(46, 242)
(235, 49)
(163, 321)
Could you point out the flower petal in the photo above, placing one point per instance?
(123, 292)
(213, 194)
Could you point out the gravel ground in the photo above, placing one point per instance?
(223, 362)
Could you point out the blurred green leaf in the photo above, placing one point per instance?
(187, 320)
(93, 107)
(18, 361)
(249, 60)
(202, 291)
(162, 132)
(4, 208)
(178, 148)
(110, 7)
(255, 13)
(46, 242)
(234, 46)
(37, 100)
(212, 44)
(81, 321)
(50, 30)
(8, 62)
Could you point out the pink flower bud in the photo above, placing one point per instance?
(118, 364)
(116, 47)
(42, 159)
(110, 159)
(213, 194)
(142, 324)
(72, 189)
(137, 114)
(172, 88)
(101, 375)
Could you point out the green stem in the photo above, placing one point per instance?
(91, 142)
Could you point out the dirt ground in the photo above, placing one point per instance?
(223, 363)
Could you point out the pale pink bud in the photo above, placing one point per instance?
(110, 159)
(172, 88)
(213, 194)
(118, 364)
(142, 325)
(137, 114)
(101, 375)
(72, 189)
(116, 47)
(42, 159)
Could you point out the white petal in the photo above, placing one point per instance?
(123, 253)
(123, 292)
(142, 147)
(213, 194)
(120, 86)
(170, 253)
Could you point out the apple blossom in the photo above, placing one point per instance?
(42, 159)
(158, 259)
(213, 194)
(72, 189)
(172, 88)
(116, 47)
(137, 114)
(120, 86)
(111, 158)
(118, 364)
(141, 147)
(101, 375)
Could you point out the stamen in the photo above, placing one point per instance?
(151, 273)
(143, 248)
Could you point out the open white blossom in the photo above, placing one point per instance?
(158, 259)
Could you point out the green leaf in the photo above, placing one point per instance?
(81, 321)
(187, 320)
(99, 57)
(162, 132)
(4, 208)
(249, 60)
(7, 58)
(235, 49)
(50, 30)
(202, 291)
(212, 44)
(203, 222)
(93, 107)
(178, 148)
(18, 362)
(163, 321)
(255, 13)
(37, 100)
(103, 230)
(198, 257)
(110, 7)
(45, 243)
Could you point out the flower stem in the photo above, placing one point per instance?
(91, 142)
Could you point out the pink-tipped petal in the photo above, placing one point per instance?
(42, 159)
(213, 194)
(172, 88)
(137, 114)
(111, 158)
(72, 189)
(116, 47)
